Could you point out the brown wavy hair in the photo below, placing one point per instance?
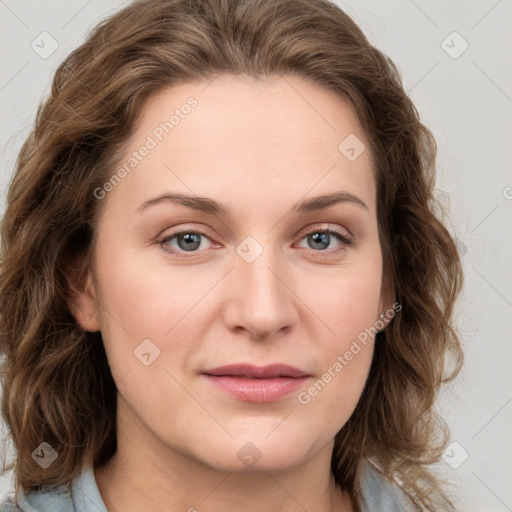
(57, 385)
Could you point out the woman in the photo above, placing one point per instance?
(223, 281)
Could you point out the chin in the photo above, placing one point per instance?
(257, 455)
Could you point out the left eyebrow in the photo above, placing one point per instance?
(321, 202)
(208, 205)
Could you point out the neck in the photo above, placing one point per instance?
(145, 474)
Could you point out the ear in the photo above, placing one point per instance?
(82, 299)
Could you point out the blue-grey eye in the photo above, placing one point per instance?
(187, 241)
(319, 240)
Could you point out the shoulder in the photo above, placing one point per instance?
(57, 499)
(378, 492)
(9, 505)
(81, 495)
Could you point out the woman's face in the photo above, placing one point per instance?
(239, 271)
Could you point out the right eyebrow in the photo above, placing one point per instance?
(203, 204)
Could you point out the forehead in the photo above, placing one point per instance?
(237, 134)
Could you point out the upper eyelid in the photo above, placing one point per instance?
(323, 226)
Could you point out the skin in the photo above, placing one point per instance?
(258, 148)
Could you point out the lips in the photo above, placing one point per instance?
(256, 384)
(254, 372)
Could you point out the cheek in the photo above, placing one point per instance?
(344, 301)
(345, 363)
(346, 307)
(139, 302)
(147, 299)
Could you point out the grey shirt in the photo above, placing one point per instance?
(379, 494)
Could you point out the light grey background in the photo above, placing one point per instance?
(466, 100)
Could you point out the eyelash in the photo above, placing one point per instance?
(346, 241)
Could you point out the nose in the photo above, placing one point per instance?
(261, 300)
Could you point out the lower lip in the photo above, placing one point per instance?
(257, 390)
